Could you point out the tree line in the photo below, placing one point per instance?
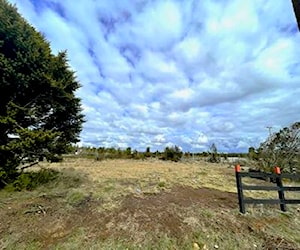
(172, 153)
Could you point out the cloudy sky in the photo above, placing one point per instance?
(189, 73)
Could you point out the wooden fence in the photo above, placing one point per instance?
(278, 186)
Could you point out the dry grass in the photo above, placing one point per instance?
(113, 179)
(195, 174)
(151, 204)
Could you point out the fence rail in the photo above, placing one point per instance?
(277, 176)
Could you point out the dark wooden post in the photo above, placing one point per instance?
(240, 189)
(280, 191)
(296, 6)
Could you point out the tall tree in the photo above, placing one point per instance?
(40, 116)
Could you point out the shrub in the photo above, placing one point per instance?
(31, 180)
(172, 154)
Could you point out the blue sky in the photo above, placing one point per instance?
(187, 73)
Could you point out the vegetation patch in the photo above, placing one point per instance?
(31, 180)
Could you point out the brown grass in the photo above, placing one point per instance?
(195, 174)
(149, 204)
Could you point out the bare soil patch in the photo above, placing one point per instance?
(185, 196)
(160, 211)
(43, 217)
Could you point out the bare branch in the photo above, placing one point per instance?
(29, 165)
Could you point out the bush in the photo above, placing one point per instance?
(172, 154)
(31, 180)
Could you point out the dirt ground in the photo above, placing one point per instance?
(137, 213)
(177, 212)
(153, 212)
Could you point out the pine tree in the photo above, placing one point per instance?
(40, 116)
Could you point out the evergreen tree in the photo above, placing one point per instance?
(40, 116)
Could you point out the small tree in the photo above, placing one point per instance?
(252, 154)
(148, 152)
(172, 153)
(281, 149)
(213, 154)
(128, 152)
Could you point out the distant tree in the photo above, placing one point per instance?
(148, 152)
(252, 154)
(172, 153)
(282, 149)
(157, 154)
(40, 117)
(213, 154)
(204, 154)
(128, 152)
(187, 155)
(112, 151)
(119, 153)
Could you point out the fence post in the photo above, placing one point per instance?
(240, 189)
(280, 191)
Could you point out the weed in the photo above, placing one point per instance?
(161, 184)
(75, 198)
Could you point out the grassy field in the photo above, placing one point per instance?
(151, 204)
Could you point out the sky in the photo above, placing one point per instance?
(187, 73)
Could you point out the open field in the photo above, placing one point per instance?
(151, 204)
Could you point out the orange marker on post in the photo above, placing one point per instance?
(280, 189)
(239, 186)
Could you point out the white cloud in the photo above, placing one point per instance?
(158, 25)
(186, 72)
(202, 139)
(185, 93)
(159, 139)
